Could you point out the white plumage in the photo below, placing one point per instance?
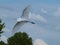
(24, 19)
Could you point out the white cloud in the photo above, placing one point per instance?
(7, 30)
(39, 42)
(3, 38)
(57, 28)
(43, 10)
(37, 17)
(4, 13)
(57, 12)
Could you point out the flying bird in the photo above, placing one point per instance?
(23, 19)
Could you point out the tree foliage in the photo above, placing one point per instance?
(2, 43)
(20, 39)
(1, 27)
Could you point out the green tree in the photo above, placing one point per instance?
(1, 27)
(2, 43)
(20, 39)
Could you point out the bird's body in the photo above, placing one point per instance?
(21, 19)
(24, 19)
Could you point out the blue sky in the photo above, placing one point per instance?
(38, 1)
(46, 14)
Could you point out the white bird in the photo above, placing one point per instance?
(24, 19)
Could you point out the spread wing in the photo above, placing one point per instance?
(25, 13)
(18, 25)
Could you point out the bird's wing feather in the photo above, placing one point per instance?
(25, 13)
(18, 25)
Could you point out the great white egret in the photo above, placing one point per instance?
(23, 19)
